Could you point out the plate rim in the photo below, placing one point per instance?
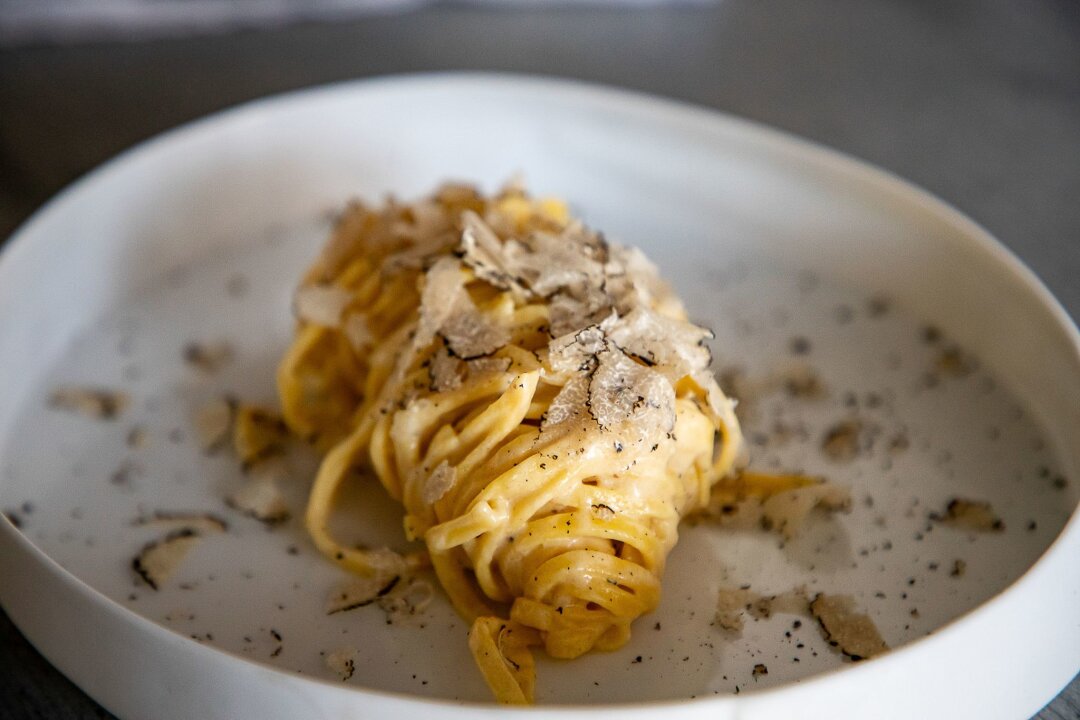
(790, 145)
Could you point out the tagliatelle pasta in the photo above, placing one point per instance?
(533, 395)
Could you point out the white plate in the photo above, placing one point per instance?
(200, 235)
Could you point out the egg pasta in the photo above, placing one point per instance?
(533, 396)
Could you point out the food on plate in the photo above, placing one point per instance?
(536, 399)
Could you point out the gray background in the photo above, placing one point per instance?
(977, 101)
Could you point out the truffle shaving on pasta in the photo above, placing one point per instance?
(533, 395)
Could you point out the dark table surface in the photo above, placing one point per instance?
(978, 101)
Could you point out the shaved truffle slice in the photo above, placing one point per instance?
(321, 305)
(482, 250)
(360, 592)
(258, 434)
(428, 218)
(569, 311)
(208, 358)
(675, 346)
(469, 334)
(260, 498)
(439, 482)
(851, 632)
(421, 251)
(447, 309)
(445, 371)
(569, 403)
(577, 352)
(546, 263)
(213, 422)
(444, 284)
(157, 561)
(203, 523)
(973, 515)
(621, 390)
(480, 367)
(634, 281)
(345, 241)
(95, 403)
(356, 331)
(786, 511)
(342, 662)
(406, 600)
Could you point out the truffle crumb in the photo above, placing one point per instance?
(760, 670)
(899, 443)
(208, 358)
(973, 515)
(851, 632)
(841, 442)
(213, 422)
(136, 437)
(958, 569)
(954, 362)
(95, 403)
(342, 662)
(803, 382)
(877, 306)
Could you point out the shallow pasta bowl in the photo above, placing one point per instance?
(960, 367)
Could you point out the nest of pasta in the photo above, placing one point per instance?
(535, 398)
